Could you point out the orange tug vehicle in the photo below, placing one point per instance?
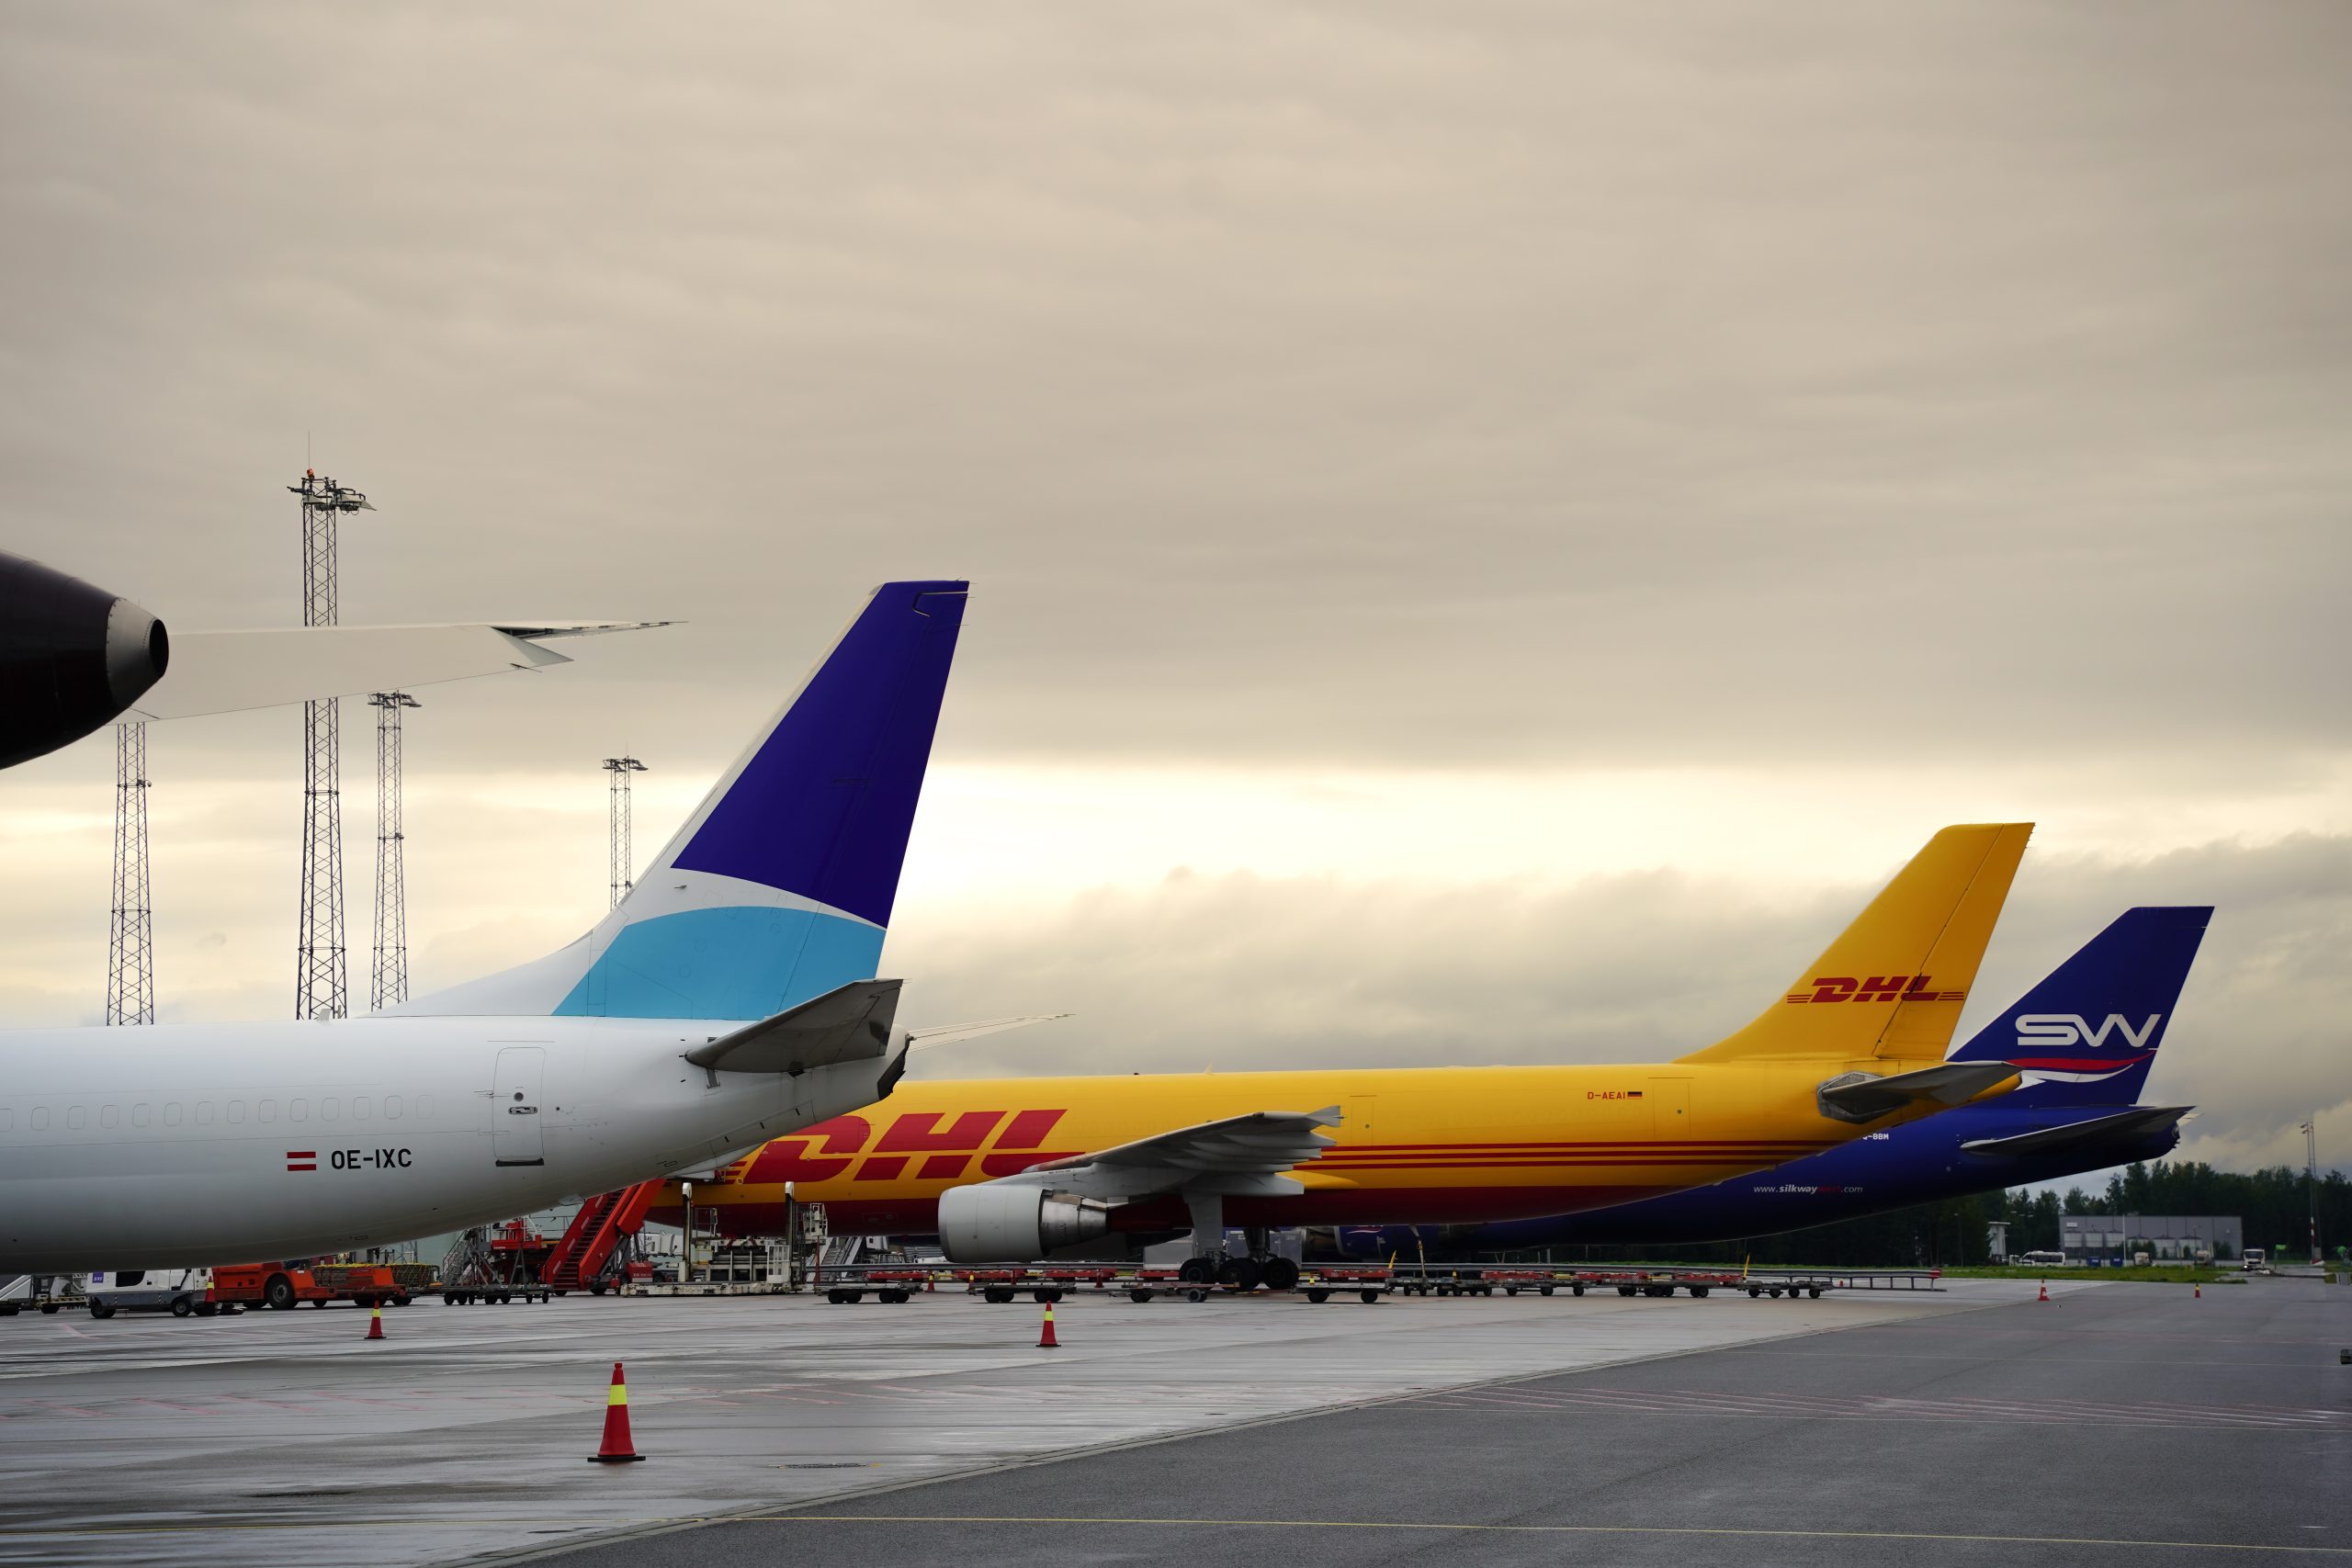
(284, 1286)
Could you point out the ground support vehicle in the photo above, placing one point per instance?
(183, 1293)
(494, 1265)
(1484, 1279)
(284, 1286)
(40, 1293)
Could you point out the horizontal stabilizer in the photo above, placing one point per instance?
(848, 1024)
(234, 672)
(1859, 1097)
(2138, 1122)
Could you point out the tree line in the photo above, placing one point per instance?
(2274, 1204)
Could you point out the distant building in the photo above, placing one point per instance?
(2105, 1238)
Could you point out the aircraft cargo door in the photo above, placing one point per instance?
(1671, 1107)
(515, 1106)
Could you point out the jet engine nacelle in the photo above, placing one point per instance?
(993, 1223)
(72, 657)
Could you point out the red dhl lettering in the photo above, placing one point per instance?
(1876, 989)
(828, 1151)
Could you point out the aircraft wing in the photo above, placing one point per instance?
(232, 671)
(949, 1034)
(2137, 1121)
(1859, 1097)
(1239, 1155)
(847, 1023)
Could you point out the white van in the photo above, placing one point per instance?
(180, 1291)
(2043, 1260)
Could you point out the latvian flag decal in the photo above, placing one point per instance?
(301, 1160)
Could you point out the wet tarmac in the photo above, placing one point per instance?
(258, 1438)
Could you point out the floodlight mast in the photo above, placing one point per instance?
(320, 986)
(618, 853)
(130, 935)
(389, 983)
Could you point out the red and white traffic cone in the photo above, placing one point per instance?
(374, 1323)
(1047, 1341)
(2197, 1290)
(616, 1448)
(2046, 1292)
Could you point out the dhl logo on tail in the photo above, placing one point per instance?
(1877, 988)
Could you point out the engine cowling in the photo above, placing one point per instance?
(72, 657)
(996, 1223)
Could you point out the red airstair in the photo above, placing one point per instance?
(601, 1226)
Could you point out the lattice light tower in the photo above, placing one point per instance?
(390, 981)
(617, 825)
(320, 986)
(130, 932)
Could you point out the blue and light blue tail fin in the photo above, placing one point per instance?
(779, 886)
(2088, 1034)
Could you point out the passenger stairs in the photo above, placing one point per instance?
(603, 1222)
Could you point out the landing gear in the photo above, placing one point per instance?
(1201, 1269)
(1279, 1274)
(1239, 1274)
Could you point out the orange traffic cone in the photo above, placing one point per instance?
(2046, 1292)
(616, 1448)
(1047, 1341)
(376, 1323)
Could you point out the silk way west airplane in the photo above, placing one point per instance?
(729, 997)
(1032, 1167)
(2082, 1040)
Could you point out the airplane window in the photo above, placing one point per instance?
(424, 1107)
(108, 1116)
(172, 1114)
(77, 1117)
(236, 1111)
(268, 1110)
(298, 1109)
(40, 1118)
(138, 1117)
(203, 1112)
(360, 1108)
(330, 1108)
(391, 1108)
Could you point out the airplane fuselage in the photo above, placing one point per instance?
(203, 1144)
(1440, 1143)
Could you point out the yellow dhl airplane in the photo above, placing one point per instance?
(1002, 1169)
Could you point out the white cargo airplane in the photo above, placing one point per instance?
(728, 999)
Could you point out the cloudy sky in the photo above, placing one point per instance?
(1492, 526)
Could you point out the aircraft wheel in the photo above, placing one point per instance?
(1197, 1270)
(1239, 1274)
(1279, 1274)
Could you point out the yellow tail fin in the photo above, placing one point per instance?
(1891, 985)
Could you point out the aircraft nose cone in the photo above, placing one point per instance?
(138, 651)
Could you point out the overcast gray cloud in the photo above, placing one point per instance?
(1942, 400)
